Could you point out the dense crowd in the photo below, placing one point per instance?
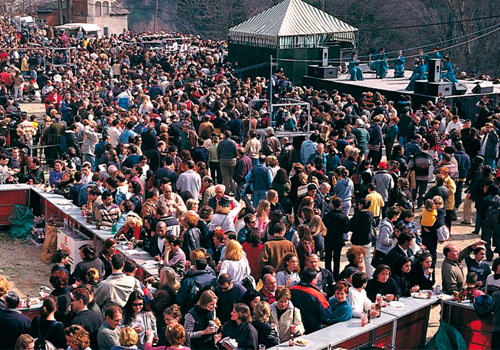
(174, 151)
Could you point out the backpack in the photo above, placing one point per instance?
(194, 293)
(493, 214)
(41, 343)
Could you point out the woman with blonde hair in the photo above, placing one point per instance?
(192, 235)
(200, 322)
(235, 262)
(263, 212)
(192, 204)
(272, 165)
(318, 231)
(165, 294)
(77, 338)
(146, 106)
(128, 338)
(267, 334)
(274, 200)
(25, 342)
(133, 230)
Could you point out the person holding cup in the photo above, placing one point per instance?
(286, 317)
(382, 283)
(138, 319)
(200, 323)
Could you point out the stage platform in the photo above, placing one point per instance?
(392, 88)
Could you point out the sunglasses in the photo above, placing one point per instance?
(137, 304)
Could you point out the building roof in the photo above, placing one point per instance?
(292, 18)
(118, 9)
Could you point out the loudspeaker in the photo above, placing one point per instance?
(459, 89)
(421, 87)
(482, 88)
(324, 56)
(440, 88)
(434, 75)
(328, 72)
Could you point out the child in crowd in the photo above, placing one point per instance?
(429, 214)
(472, 285)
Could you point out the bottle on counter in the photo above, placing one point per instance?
(291, 341)
(114, 229)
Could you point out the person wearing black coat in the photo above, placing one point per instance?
(267, 334)
(401, 251)
(382, 283)
(403, 278)
(337, 223)
(241, 329)
(421, 273)
(13, 322)
(362, 227)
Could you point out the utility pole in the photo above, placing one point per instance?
(60, 12)
(24, 8)
(156, 17)
(69, 11)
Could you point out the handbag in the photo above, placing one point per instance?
(249, 282)
(443, 233)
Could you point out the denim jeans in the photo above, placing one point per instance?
(258, 196)
(401, 141)
(458, 194)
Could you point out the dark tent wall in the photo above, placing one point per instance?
(295, 62)
(248, 56)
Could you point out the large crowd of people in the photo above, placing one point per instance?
(171, 150)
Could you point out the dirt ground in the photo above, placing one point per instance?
(20, 263)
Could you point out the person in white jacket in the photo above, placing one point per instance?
(235, 262)
(357, 296)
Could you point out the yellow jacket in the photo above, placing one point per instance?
(452, 188)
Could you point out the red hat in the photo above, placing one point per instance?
(382, 165)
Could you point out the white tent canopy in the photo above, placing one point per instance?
(84, 27)
(292, 24)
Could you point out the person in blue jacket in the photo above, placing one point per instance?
(380, 65)
(312, 303)
(418, 74)
(422, 57)
(447, 72)
(341, 308)
(399, 65)
(354, 70)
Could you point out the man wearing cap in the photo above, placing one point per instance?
(271, 143)
(489, 145)
(362, 136)
(384, 184)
